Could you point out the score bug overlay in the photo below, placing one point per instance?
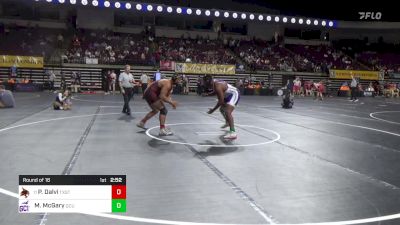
(72, 193)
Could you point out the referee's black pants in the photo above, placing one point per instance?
(144, 86)
(127, 97)
(353, 93)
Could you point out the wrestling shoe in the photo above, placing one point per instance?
(165, 132)
(141, 125)
(231, 136)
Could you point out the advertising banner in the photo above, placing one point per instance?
(21, 61)
(195, 68)
(346, 74)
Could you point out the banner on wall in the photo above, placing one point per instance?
(363, 75)
(21, 61)
(91, 61)
(195, 68)
(394, 75)
(167, 65)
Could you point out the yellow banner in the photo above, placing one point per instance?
(205, 68)
(21, 61)
(346, 74)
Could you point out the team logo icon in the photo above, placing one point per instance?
(24, 193)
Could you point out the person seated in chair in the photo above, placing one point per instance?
(62, 101)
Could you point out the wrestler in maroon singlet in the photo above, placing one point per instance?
(155, 95)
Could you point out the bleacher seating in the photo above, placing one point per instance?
(194, 50)
(138, 49)
(110, 48)
(381, 61)
(325, 55)
(29, 41)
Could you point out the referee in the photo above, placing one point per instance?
(126, 83)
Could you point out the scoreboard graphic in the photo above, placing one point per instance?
(72, 193)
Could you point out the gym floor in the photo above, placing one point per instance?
(329, 161)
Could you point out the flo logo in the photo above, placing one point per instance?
(24, 193)
(370, 15)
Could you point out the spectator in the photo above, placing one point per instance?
(199, 85)
(25, 80)
(297, 86)
(6, 98)
(289, 86)
(185, 84)
(75, 81)
(13, 71)
(105, 81)
(111, 81)
(144, 79)
(370, 89)
(302, 89)
(52, 78)
(157, 76)
(63, 83)
(319, 88)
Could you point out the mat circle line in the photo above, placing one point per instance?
(372, 115)
(278, 136)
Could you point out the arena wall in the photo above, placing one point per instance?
(264, 31)
(34, 23)
(389, 36)
(91, 18)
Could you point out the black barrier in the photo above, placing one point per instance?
(348, 93)
(248, 91)
(28, 87)
(260, 91)
(343, 93)
(9, 86)
(266, 91)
